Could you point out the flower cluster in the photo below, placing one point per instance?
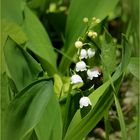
(85, 52)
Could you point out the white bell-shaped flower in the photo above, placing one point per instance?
(83, 54)
(84, 102)
(92, 73)
(76, 79)
(90, 52)
(81, 66)
(78, 44)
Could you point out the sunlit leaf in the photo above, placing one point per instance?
(12, 10)
(22, 67)
(50, 125)
(27, 109)
(14, 31)
(39, 42)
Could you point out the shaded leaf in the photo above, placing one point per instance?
(50, 125)
(39, 42)
(108, 55)
(26, 110)
(14, 31)
(22, 67)
(134, 66)
(12, 10)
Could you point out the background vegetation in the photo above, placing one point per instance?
(37, 55)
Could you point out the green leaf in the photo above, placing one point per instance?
(27, 109)
(39, 42)
(14, 31)
(108, 54)
(67, 112)
(121, 118)
(4, 100)
(39, 4)
(22, 67)
(50, 125)
(107, 124)
(119, 111)
(75, 26)
(12, 10)
(126, 53)
(58, 85)
(133, 66)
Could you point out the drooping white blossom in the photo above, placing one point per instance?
(84, 102)
(81, 66)
(76, 79)
(78, 44)
(83, 54)
(90, 52)
(92, 73)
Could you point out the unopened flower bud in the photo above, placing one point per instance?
(94, 34)
(90, 33)
(94, 18)
(78, 44)
(85, 19)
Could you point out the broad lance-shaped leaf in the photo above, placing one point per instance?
(50, 125)
(108, 54)
(39, 42)
(15, 32)
(41, 5)
(28, 108)
(75, 26)
(12, 30)
(4, 97)
(133, 66)
(12, 10)
(22, 67)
